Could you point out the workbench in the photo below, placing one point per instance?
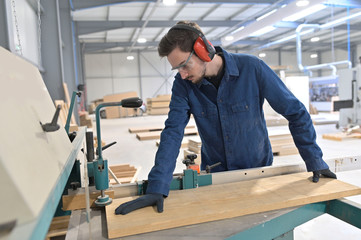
(277, 224)
(347, 153)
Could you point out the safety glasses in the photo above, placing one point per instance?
(183, 66)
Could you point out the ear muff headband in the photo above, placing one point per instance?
(202, 47)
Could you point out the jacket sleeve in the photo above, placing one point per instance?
(300, 124)
(161, 174)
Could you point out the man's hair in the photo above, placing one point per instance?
(182, 38)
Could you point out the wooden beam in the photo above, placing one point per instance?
(151, 128)
(156, 135)
(216, 202)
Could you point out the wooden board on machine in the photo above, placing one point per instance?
(156, 134)
(226, 201)
(117, 111)
(76, 200)
(124, 173)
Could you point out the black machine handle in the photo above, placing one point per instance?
(53, 125)
(134, 102)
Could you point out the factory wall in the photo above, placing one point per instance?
(112, 73)
(147, 74)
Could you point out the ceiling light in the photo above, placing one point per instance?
(130, 57)
(304, 13)
(270, 20)
(142, 40)
(340, 20)
(262, 31)
(313, 55)
(262, 55)
(302, 3)
(169, 2)
(229, 38)
(265, 15)
(315, 39)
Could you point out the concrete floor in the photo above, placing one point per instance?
(140, 154)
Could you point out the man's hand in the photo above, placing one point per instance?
(150, 199)
(324, 172)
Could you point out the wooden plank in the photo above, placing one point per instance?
(68, 101)
(156, 134)
(183, 145)
(341, 136)
(216, 202)
(159, 104)
(77, 201)
(151, 128)
(58, 226)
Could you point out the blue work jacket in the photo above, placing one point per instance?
(231, 121)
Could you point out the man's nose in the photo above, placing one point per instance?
(183, 73)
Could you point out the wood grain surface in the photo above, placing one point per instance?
(216, 202)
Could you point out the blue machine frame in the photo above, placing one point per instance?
(282, 226)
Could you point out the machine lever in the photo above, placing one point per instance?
(53, 126)
(7, 227)
(105, 147)
(208, 168)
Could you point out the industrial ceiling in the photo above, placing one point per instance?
(111, 25)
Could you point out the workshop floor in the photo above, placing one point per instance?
(140, 154)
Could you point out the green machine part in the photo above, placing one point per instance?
(190, 179)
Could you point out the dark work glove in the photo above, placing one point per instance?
(150, 199)
(324, 172)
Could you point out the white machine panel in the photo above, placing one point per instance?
(31, 160)
(349, 86)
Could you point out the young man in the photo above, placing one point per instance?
(225, 93)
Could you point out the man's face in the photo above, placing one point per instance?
(189, 66)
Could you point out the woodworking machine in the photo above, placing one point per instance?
(99, 167)
(39, 164)
(349, 105)
(39, 160)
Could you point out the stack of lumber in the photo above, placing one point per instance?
(158, 105)
(282, 144)
(223, 201)
(92, 106)
(340, 136)
(63, 115)
(85, 120)
(124, 173)
(58, 227)
(117, 111)
(194, 147)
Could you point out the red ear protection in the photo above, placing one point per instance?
(202, 47)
